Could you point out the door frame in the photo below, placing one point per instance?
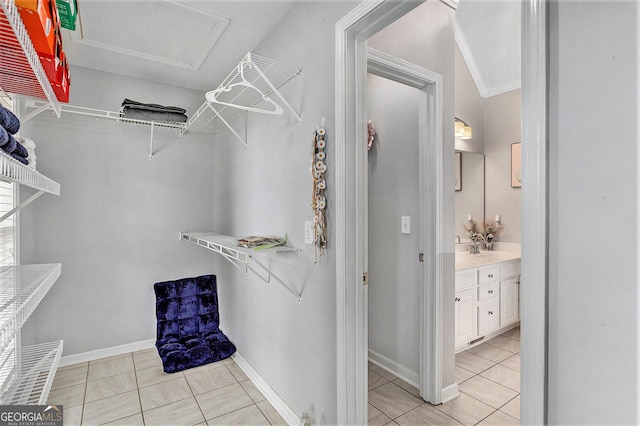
(431, 206)
(352, 32)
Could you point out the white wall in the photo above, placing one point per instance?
(115, 225)
(266, 189)
(394, 271)
(425, 37)
(502, 128)
(593, 213)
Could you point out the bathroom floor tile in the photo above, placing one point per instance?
(237, 372)
(135, 420)
(498, 418)
(466, 409)
(184, 412)
(253, 392)
(271, 414)
(72, 366)
(474, 363)
(505, 343)
(203, 368)
(376, 417)
(489, 392)
(164, 393)
(512, 408)
(392, 400)
(112, 408)
(110, 366)
(504, 376)
(154, 375)
(382, 372)
(425, 414)
(146, 359)
(408, 387)
(109, 386)
(69, 396)
(224, 400)
(514, 333)
(463, 374)
(70, 377)
(73, 415)
(490, 352)
(211, 379)
(512, 362)
(244, 416)
(375, 380)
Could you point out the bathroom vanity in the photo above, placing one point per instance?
(486, 296)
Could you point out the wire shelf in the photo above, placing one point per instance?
(14, 171)
(20, 69)
(22, 288)
(251, 86)
(33, 374)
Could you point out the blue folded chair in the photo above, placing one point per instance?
(188, 333)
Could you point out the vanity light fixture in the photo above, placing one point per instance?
(462, 129)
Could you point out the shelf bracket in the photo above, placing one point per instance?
(21, 205)
(275, 90)
(151, 142)
(244, 142)
(35, 112)
(270, 275)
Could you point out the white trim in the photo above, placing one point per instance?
(450, 392)
(467, 55)
(534, 213)
(399, 370)
(287, 414)
(453, 4)
(474, 69)
(107, 352)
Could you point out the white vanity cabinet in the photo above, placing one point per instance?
(486, 300)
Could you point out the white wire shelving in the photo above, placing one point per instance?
(20, 69)
(22, 288)
(252, 86)
(33, 374)
(241, 257)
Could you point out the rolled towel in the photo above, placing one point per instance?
(20, 158)
(10, 146)
(4, 136)
(9, 121)
(20, 150)
(26, 142)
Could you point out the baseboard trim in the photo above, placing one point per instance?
(278, 403)
(391, 366)
(106, 352)
(450, 392)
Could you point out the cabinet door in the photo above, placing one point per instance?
(509, 310)
(488, 317)
(465, 316)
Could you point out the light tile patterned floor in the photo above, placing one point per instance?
(488, 376)
(132, 389)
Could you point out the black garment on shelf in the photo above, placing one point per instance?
(153, 112)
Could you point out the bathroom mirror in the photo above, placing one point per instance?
(470, 198)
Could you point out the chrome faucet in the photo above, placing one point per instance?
(457, 238)
(474, 247)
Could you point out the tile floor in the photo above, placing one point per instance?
(488, 376)
(132, 389)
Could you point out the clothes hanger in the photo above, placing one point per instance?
(244, 84)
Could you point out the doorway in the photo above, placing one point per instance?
(351, 34)
(409, 100)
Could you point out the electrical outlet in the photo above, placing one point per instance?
(308, 232)
(405, 226)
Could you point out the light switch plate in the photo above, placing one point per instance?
(308, 232)
(405, 226)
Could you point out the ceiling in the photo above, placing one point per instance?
(192, 44)
(488, 35)
(195, 44)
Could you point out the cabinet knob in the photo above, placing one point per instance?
(490, 291)
(490, 312)
(457, 299)
(490, 276)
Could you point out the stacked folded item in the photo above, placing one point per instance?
(9, 126)
(152, 112)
